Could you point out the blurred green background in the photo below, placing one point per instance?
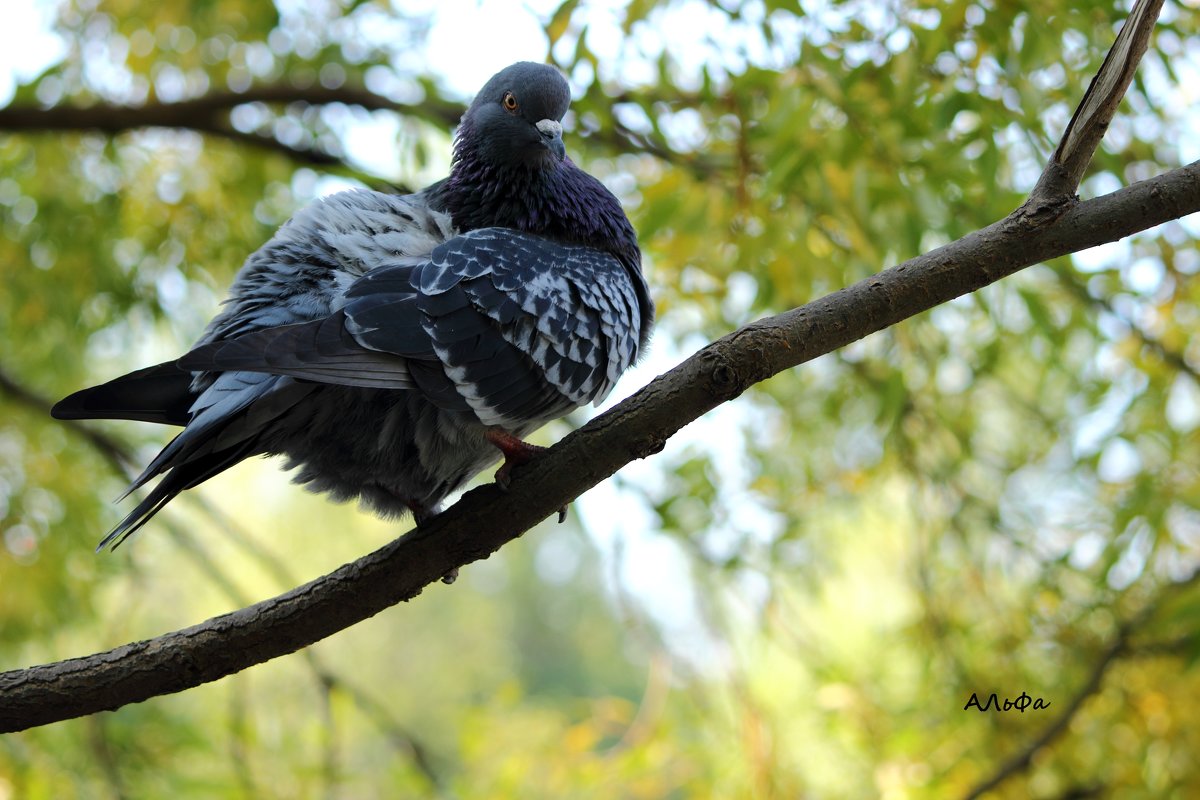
(798, 597)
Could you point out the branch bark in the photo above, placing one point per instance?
(209, 114)
(1049, 225)
(200, 111)
(1100, 101)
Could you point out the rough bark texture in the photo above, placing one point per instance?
(207, 108)
(1051, 224)
(209, 114)
(1099, 104)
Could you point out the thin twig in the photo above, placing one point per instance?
(1093, 114)
(329, 738)
(102, 752)
(239, 739)
(1020, 761)
(118, 456)
(209, 113)
(400, 738)
(1120, 646)
(1170, 355)
(650, 709)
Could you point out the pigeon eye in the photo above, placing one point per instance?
(509, 101)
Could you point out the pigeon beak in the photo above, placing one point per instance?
(551, 132)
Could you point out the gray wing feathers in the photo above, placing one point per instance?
(302, 273)
(227, 424)
(230, 394)
(548, 297)
(515, 327)
(323, 351)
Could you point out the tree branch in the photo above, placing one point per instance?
(110, 118)
(1049, 225)
(1079, 141)
(116, 454)
(487, 517)
(1176, 359)
(1020, 761)
(209, 114)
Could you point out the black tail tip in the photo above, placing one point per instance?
(114, 539)
(66, 409)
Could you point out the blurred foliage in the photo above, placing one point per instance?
(798, 597)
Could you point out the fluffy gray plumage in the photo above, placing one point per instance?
(376, 340)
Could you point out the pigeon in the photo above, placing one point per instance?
(393, 347)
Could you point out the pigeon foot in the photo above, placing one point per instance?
(516, 452)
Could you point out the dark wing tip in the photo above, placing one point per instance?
(161, 394)
(70, 407)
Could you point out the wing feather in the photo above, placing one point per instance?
(515, 327)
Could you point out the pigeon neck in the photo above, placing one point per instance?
(562, 202)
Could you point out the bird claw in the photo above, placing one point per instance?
(504, 475)
(450, 577)
(516, 452)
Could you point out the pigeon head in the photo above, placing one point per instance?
(510, 169)
(516, 118)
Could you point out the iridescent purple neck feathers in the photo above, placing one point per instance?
(557, 200)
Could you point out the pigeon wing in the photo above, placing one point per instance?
(513, 326)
